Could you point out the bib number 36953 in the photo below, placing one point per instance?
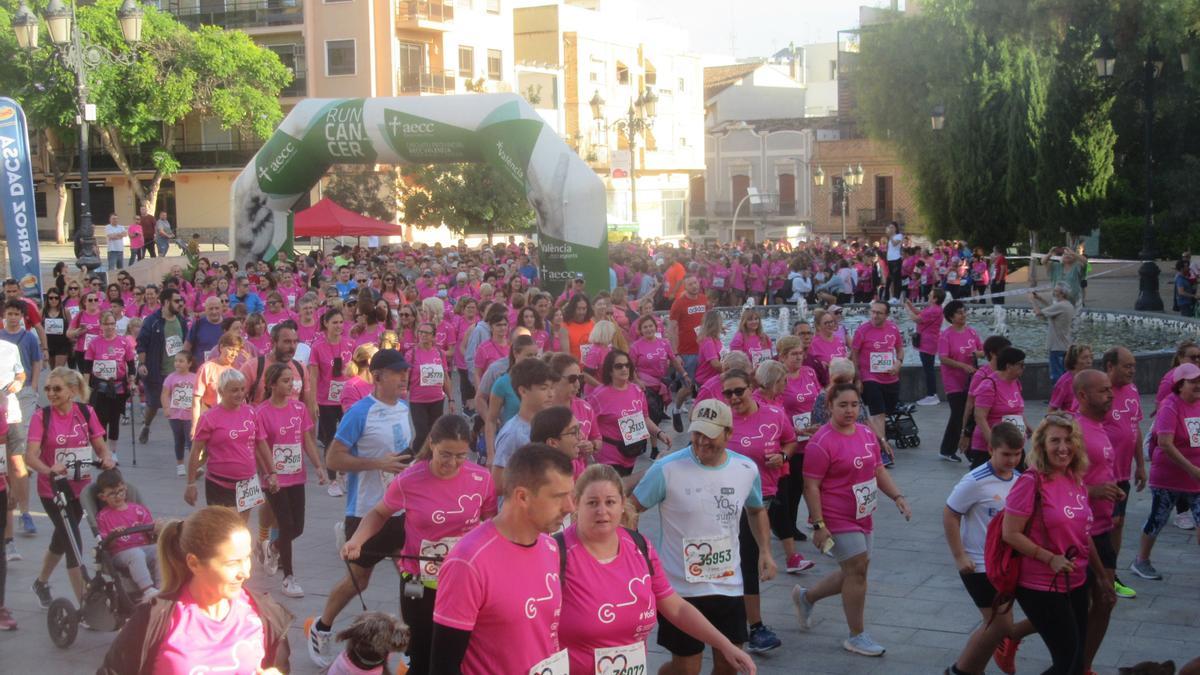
(625, 660)
(248, 494)
(866, 498)
(707, 558)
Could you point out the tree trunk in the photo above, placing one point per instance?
(60, 211)
(111, 140)
(151, 201)
(60, 163)
(491, 230)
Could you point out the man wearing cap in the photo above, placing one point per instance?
(372, 444)
(700, 491)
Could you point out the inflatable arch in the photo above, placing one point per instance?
(502, 129)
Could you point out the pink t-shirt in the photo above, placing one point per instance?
(1174, 417)
(91, 322)
(207, 377)
(427, 375)
(132, 515)
(1063, 395)
(1100, 470)
(356, 389)
(283, 431)
(760, 435)
(1004, 402)
(929, 324)
(307, 334)
(438, 511)
(197, 643)
(981, 377)
(1067, 524)
(69, 438)
(800, 394)
(710, 389)
(446, 335)
(845, 465)
(825, 351)
(757, 348)
(959, 345)
(111, 357)
(652, 359)
(488, 352)
(1164, 387)
(273, 318)
(878, 349)
(592, 358)
(229, 437)
(710, 350)
(586, 416)
(513, 618)
(330, 384)
(1122, 427)
(608, 604)
(617, 409)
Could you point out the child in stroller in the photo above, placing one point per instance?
(133, 554)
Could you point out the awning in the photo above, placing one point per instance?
(327, 219)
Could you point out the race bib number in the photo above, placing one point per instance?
(53, 325)
(718, 282)
(757, 356)
(584, 350)
(434, 549)
(286, 457)
(335, 390)
(626, 660)
(1192, 424)
(73, 310)
(707, 559)
(697, 309)
(883, 362)
(271, 327)
(297, 385)
(633, 428)
(953, 276)
(248, 493)
(432, 375)
(3, 459)
(555, 664)
(174, 345)
(87, 340)
(1016, 420)
(291, 301)
(802, 421)
(866, 498)
(80, 454)
(105, 369)
(181, 396)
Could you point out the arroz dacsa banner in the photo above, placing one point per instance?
(20, 217)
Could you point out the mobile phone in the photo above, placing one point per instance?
(828, 546)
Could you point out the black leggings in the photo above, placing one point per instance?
(466, 390)
(3, 558)
(288, 506)
(778, 513)
(795, 491)
(748, 547)
(893, 279)
(59, 545)
(954, 427)
(423, 417)
(328, 418)
(418, 614)
(108, 411)
(927, 366)
(1061, 620)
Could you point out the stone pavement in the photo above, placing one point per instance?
(916, 606)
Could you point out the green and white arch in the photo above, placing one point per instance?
(501, 129)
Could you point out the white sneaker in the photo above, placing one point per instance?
(929, 400)
(335, 489)
(1184, 521)
(291, 588)
(270, 557)
(11, 554)
(180, 470)
(320, 643)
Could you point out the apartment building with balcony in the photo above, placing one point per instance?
(572, 54)
(335, 48)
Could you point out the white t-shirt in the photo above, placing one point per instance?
(894, 246)
(701, 507)
(117, 244)
(978, 497)
(372, 428)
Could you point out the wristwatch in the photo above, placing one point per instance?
(819, 525)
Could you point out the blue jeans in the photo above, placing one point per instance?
(181, 431)
(1058, 365)
(116, 260)
(927, 366)
(163, 244)
(690, 362)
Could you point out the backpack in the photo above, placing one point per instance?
(1002, 560)
(561, 540)
(258, 373)
(83, 410)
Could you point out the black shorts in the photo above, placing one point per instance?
(981, 590)
(1104, 549)
(727, 613)
(881, 399)
(59, 544)
(1119, 507)
(387, 541)
(153, 387)
(219, 495)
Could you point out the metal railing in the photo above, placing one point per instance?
(245, 14)
(190, 156)
(872, 219)
(425, 10)
(427, 83)
(769, 207)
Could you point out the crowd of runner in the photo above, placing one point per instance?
(486, 435)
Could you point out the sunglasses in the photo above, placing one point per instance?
(53, 388)
(53, 297)
(89, 300)
(73, 288)
(574, 379)
(737, 392)
(621, 366)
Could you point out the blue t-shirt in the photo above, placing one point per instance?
(345, 288)
(372, 428)
(204, 336)
(511, 402)
(30, 349)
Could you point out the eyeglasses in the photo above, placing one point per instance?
(621, 366)
(574, 379)
(424, 332)
(570, 431)
(89, 300)
(73, 288)
(735, 392)
(406, 314)
(53, 297)
(53, 388)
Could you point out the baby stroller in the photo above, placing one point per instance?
(108, 597)
(901, 429)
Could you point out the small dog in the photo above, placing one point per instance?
(370, 639)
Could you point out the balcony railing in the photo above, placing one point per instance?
(190, 156)
(872, 220)
(244, 14)
(427, 83)
(768, 208)
(424, 10)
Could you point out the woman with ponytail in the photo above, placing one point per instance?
(204, 618)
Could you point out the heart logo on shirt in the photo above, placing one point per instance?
(610, 665)
(531, 603)
(607, 612)
(464, 501)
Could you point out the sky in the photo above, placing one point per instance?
(749, 28)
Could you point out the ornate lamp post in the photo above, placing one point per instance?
(852, 179)
(80, 55)
(637, 121)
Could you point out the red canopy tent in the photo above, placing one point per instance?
(327, 219)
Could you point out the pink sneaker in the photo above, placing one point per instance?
(7, 622)
(797, 564)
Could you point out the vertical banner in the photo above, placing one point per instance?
(20, 215)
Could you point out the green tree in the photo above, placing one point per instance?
(178, 72)
(364, 189)
(469, 198)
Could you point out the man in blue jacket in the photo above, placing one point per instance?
(161, 338)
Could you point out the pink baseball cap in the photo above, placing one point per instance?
(1186, 371)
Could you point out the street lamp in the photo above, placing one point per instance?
(937, 118)
(852, 179)
(80, 55)
(1105, 58)
(637, 121)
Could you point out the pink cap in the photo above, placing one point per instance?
(1186, 371)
